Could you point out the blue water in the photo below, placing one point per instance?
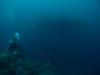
(65, 33)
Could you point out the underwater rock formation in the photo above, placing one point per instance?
(12, 62)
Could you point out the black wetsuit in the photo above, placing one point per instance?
(14, 47)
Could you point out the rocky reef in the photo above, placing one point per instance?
(14, 62)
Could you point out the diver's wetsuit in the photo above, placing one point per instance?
(14, 47)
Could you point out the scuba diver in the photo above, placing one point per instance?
(14, 46)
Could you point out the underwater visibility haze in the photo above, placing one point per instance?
(63, 33)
